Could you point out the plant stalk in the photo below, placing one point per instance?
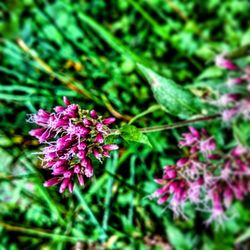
(238, 53)
(178, 124)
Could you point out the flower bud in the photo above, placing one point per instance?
(52, 181)
(207, 145)
(229, 114)
(169, 173)
(93, 114)
(109, 121)
(110, 147)
(234, 81)
(106, 153)
(97, 154)
(64, 185)
(194, 132)
(71, 111)
(99, 138)
(239, 150)
(66, 101)
(59, 170)
(163, 199)
(77, 168)
(160, 181)
(99, 127)
(59, 109)
(67, 174)
(181, 162)
(64, 142)
(37, 132)
(86, 122)
(224, 63)
(82, 146)
(89, 170)
(46, 136)
(159, 192)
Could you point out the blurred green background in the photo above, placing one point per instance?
(88, 50)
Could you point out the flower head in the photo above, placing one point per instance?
(207, 178)
(71, 137)
(235, 103)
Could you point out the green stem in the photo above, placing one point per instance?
(178, 124)
(89, 212)
(39, 233)
(111, 166)
(240, 52)
(149, 110)
(132, 182)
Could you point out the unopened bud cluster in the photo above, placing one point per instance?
(72, 136)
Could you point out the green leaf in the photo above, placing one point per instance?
(242, 133)
(184, 242)
(111, 139)
(211, 72)
(172, 97)
(244, 236)
(132, 133)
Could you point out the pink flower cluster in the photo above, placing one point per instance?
(235, 103)
(207, 177)
(71, 136)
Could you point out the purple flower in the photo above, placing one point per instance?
(222, 62)
(109, 147)
(190, 139)
(228, 114)
(52, 182)
(228, 197)
(234, 103)
(238, 151)
(59, 109)
(71, 135)
(169, 172)
(93, 114)
(163, 199)
(66, 101)
(87, 122)
(97, 154)
(244, 108)
(217, 212)
(37, 132)
(229, 98)
(64, 185)
(231, 82)
(109, 121)
(211, 181)
(207, 145)
(181, 162)
(99, 138)
(88, 169)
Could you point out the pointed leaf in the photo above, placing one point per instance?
(211, 72)
(132, 133)
(172, 97)
(242, 133)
